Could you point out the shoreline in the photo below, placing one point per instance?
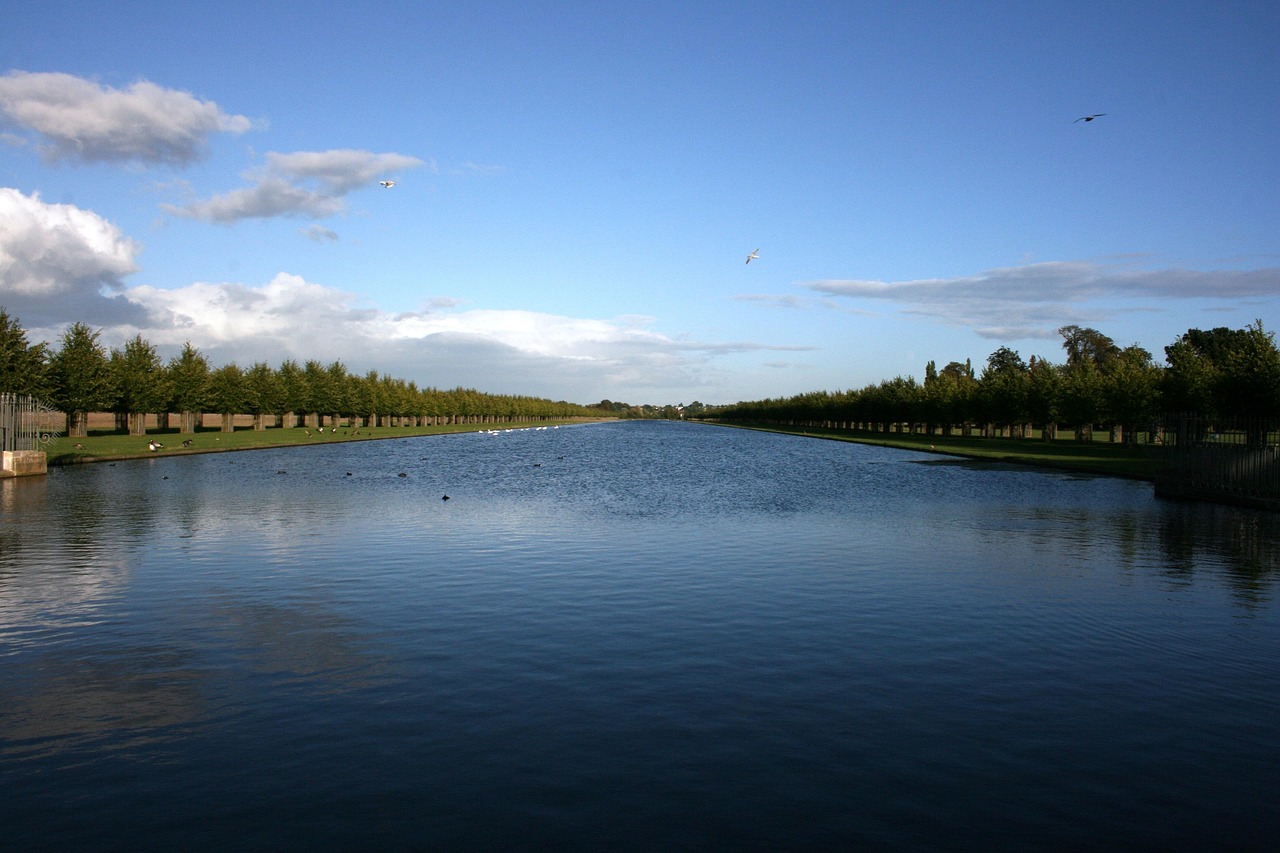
(114, 447)
(1101, 458)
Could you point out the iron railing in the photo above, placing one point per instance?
(1230, 460)
(26, 423)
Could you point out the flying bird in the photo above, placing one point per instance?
(1089, 118)
(754, 256)
(387, 184)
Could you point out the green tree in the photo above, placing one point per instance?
(22, 364)
(295, 395)
(341, 392)
(228, 393)
(1083, 401)
(188, 385)
(1131, 389)
(1249, 385)
(264, 393)
(80, 376)
(367, 396)
(1003, 389)
(319, 396)
(1083, 398)
(1044, 395)
(1087, 345)
(1224, 373)
(140, 381)
(948, 395)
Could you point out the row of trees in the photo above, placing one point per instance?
(81, 376)
(1216, 374)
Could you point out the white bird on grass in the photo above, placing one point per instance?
(387, 184)
(754, 256)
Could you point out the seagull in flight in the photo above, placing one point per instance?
(1089, 118)
(387, 184)
(754, 256)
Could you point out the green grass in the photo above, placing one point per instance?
(1096, 457)
(102, 445)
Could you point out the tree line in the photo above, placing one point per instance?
(1212, 374)
(81, 376)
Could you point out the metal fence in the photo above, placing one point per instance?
(1225, 460)
(26, 423)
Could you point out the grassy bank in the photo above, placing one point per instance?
(1096, 457)
(110, 445)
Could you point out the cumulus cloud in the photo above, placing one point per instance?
(497, 351)
(304, 184)
(78, 119)
(1032, 301)
(58, 261)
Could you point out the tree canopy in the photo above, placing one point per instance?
(1215, 374)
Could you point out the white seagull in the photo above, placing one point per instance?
(387, 184)
(754, 256)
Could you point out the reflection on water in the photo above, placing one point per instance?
(629, 635)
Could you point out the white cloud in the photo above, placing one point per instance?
(306, 184)
(78, 119)
(507, 352)
(1033, 301)
(339, 171)
(57, 258)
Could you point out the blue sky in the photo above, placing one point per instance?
(577, 185)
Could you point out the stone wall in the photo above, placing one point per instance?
(22, 463)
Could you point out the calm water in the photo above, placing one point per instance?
(634, 635)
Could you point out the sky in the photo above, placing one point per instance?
(577, 185)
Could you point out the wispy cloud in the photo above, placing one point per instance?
(303, 184)
(78, 119)
(468, 168)
(785, 300)
(319, 233)
(1033, 301)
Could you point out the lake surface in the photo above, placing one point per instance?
(640, 635)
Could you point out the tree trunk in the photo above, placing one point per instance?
(228, 422)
